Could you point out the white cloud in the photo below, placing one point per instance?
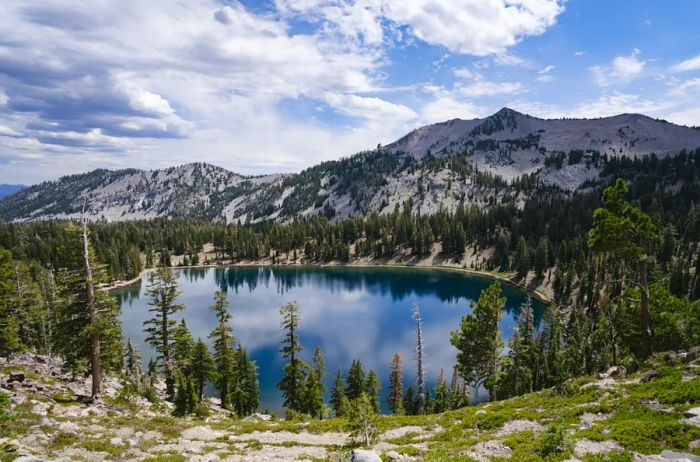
(493, 25)
(621, 70)
(369, 108)
(8, 131)
(476, 28)
(546, 69)
(692, 64)
(579, 53)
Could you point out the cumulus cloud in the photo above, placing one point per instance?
(622, 70)
(492, 25)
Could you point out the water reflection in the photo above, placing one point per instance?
(350, 312)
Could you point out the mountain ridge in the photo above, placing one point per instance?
(434, 166)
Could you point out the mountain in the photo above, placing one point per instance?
(475, 161)
(7, 189)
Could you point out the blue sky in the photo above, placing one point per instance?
(272, 86)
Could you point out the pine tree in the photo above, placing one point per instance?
(338, 393)
(203, 368)
(182, 347)
(245, 395)
(312, 396)
(372, 389)
(294, 375)
(442, 395)
(362, 419)
(395, 398)
(133, 364)
(459, 392)
(554, 361)
(478, 340)
(409, 401)
(356, 381)
(88, 330)
(518, 375)
(623, 229)
(9, 331)
(163, 291)
(224, 354)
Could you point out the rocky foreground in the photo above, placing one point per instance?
(650, 416)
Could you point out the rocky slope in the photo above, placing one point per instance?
(435, 166)
(651, 416)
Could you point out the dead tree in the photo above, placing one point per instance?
(420, 372)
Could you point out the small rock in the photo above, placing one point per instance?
(693, 412)
(116, 441)
(68, 427)
(18, 377)
(648, 376)
(201, 433)
(692, 354)
(393, 455)
(617, 371)
(363, 455)
(680, 456)
(585, 446)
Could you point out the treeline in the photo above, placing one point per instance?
(536, 232)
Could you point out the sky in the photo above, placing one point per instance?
(279, 85)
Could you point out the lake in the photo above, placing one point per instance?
(350, 312)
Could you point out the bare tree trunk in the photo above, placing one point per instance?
(20, 303)
(644, 315)
(420, 373)
(95, 363)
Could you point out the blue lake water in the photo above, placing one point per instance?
(350, 312)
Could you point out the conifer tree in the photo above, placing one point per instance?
(224, 354)
(88, 330)
(395, 398)
(459, 392)
(294, 374)
(478, 340)
(356, 380)
(202, 369)
(133, 364)
(313, 398)
(9, 331)
(183, 345)
(362, 419)
(442, 395)
(409, 401)
(623, 229)
(338, 393)
(372, 389)
(245, 395)
(518, 376)
(163, 291)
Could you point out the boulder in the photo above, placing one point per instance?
(692, 354)
(363, 455)
(680, 456)
(616, 372)
(16, 377)
(648, 376)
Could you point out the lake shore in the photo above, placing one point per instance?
(504, 278)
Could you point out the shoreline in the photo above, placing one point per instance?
(471, 272)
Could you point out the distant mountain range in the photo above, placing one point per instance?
(470, 161)
(7, 189)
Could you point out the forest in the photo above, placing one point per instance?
(623, 261)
